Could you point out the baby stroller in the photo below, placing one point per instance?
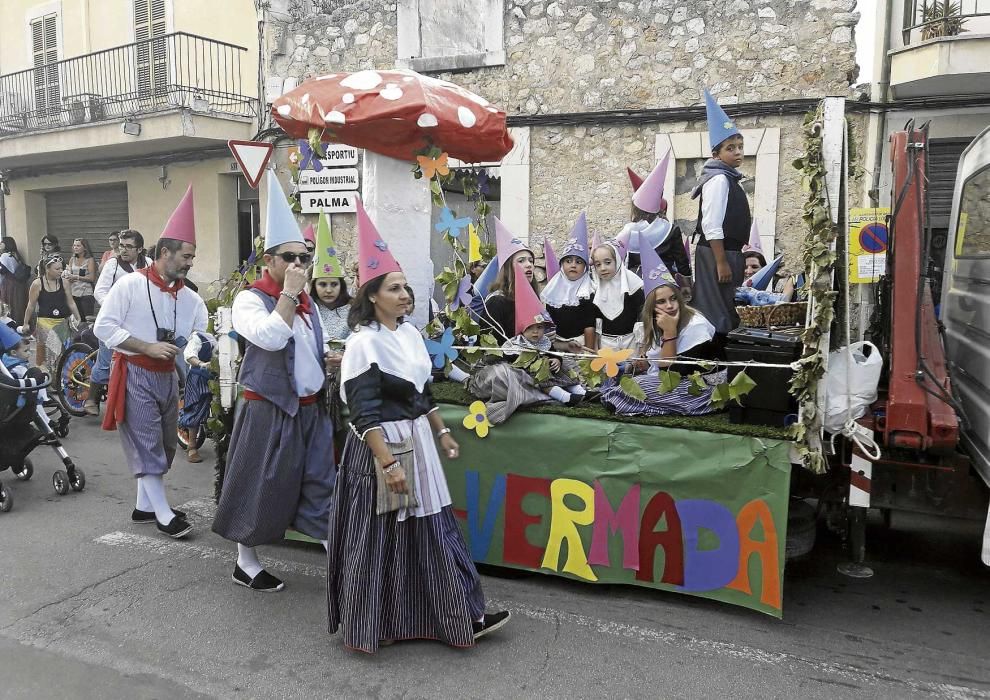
(24, 425)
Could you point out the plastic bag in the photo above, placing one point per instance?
(861, 390)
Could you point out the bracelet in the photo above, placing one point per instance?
(390, 467)
(295, 299)
(670, 340)
(442, 432)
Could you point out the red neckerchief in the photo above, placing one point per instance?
(151, 272)
(269, 286)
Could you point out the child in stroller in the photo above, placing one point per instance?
(23, 422)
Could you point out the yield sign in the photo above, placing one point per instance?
(253, 157)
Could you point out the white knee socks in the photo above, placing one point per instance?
(577, 389)
(559, 393)
(142, 498)
(154, 489)
(247, 559)
(457, 374)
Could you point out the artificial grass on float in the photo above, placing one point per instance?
(455, 393)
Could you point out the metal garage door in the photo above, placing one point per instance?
(943, 161)
(87, 212)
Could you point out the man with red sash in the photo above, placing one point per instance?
(280, 467)
(145, 319)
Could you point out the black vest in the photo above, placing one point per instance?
(738, 219)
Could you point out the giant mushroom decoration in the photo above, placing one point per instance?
(397, 113)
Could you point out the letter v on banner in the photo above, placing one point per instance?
(253, 157)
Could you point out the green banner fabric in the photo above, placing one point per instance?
(684, 511)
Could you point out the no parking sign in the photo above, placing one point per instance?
(867, 245)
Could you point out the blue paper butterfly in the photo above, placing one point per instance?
(451, 225)
(373, 263)
(441, 350)
(308, 158)
(463, 296)
(331, 251)
(381, 245)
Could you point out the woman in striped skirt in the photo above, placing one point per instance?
(405, 574)
(669, 328)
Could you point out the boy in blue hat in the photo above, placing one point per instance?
(723, 227)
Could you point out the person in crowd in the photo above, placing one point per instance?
(723, 226)
(754, 262)
(196, 396)
(504, 388)
(668, 328)
(475, 269)
(618, 294)
(568, 294)
(146, 319)
(130, 257)
(406, 573)
(14, 279)
(55, 306)
(280, 467)
(531, 322)
(649, 225)
(49, 246)
(309, 237)
(113, 240)
(80, 273)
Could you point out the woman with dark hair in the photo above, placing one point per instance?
(113, 240)
(398, 568)
(49, 246)
(55, 305)
(13, 288)
(81, 274)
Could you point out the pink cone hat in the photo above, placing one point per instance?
(506, 243)
(596, 241)
(374, 257)
(755, 243)
(649, 196)
(309, 233)
(181, 226)
(621, 242)
(529, 308)
(550, 258)
(634, 179)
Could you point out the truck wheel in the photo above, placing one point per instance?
(801, 529)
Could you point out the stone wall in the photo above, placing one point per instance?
(591, 55)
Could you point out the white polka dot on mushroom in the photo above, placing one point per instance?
(362, 80)
(335, 117)
(466, 117)
(408, 79)
(492, 110)
(348, 98)
(427, 120)
(284, 110)
(391, 92)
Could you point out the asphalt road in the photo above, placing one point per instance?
(92, 606)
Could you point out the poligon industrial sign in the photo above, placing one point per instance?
(329, 202)
(328, 179)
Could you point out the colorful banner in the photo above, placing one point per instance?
(684, 511)
(867, 245)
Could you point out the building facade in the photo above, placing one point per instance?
(108, 108)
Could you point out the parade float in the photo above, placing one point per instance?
(696, 505)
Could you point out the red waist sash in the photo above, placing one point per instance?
(303, 400)
(117, 390)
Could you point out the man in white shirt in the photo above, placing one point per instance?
(280, 467)
(130, 257)
(146, 319)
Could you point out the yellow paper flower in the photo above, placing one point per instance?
(477, 419)
(610, 359)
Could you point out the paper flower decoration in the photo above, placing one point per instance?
(308, 158)
(432, 166)
(373, 263)
(441, 350)
(463, 295)
(381, 245)
(294, 156)
(451, 225)
(610, 359)
(477, 419)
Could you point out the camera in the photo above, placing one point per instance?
(166, 335)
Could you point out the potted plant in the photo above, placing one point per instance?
(941, 18)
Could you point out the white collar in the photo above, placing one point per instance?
(401, 353)
(561, 291)
(610, 296)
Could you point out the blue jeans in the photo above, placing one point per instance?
(101, 370)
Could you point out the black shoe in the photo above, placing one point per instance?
(492, 622)
(178, 527)
(575, 399)
(148, 516)
(264, 582)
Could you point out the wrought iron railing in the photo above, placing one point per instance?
(163, 73)
(930, 19)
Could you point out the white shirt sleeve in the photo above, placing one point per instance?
(105, 280)
(252, 321)
(109, 326)
(201, 321)
(714, 198)
(192, 347)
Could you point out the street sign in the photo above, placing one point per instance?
(253, 157)
(867, 245)
(328, 179)
(330, 202)
(873, 238)
(338, 155)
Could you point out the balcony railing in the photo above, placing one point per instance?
(930, 19)
(155, 75)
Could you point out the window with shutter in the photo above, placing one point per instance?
(151, 56)
(44, 46)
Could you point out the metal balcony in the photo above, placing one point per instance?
(164, 73)
(934, 19)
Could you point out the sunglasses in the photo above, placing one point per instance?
(303, 258)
